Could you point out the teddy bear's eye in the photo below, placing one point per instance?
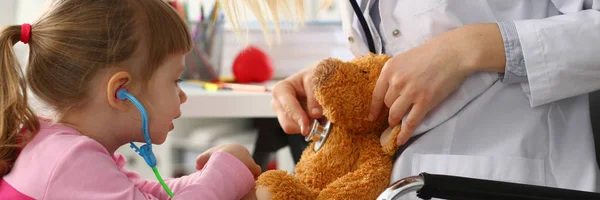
(364, 73)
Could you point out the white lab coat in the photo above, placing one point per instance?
(538, 132)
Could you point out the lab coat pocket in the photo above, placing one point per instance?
(424, 6)
(499, 168)
(433, 17)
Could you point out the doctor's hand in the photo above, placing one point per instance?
(414, 82)
(294, 102)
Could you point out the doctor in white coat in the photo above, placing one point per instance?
(496, 89)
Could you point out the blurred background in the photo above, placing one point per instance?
(227, 82)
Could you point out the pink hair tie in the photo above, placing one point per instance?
(25, 33)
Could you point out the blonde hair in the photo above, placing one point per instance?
(266, 11)
(69, 45)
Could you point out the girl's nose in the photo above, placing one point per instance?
(182, 96)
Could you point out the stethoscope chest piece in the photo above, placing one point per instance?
(318, 133)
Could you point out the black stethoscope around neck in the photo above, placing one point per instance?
(365, 26)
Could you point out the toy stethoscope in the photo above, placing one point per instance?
(145, 150)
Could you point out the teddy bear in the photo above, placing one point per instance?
(353, 163)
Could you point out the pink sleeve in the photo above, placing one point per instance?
(223, 177)
(86, 171)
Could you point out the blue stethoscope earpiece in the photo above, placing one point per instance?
(145, 150)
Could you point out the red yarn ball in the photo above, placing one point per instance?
(252, 65)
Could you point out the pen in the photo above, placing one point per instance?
(230, 86)
(245, 87)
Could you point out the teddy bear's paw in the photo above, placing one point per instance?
(263, 193)
(277, 184)
(389, 140)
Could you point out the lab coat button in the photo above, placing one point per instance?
(351, 39)
(396, 33)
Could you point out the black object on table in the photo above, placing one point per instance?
(271, 138)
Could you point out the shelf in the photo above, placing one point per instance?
(225, 104)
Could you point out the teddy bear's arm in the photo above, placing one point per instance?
(368, 180)
(281, 185)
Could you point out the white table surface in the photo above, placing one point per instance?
(225, 103)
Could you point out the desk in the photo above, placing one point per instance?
(225, 103)
(233, 104)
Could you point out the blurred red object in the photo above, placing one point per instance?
(252, 65)
(272, 165)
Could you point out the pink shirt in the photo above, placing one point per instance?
(60, 163)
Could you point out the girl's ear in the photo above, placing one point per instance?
(117, 82)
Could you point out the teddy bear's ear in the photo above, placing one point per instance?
(325, 70)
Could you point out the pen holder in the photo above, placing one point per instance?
(204, 61)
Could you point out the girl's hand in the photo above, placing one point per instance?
(238, 151)
(293, 98)
(250, 195)
(416, 81)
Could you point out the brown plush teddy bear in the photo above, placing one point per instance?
(351, 164)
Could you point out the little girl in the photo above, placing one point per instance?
(82, 52)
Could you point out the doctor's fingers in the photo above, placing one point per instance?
(287, 123)
(313, 107)
(286, 96)
(394, 90)
(377, 99)
(399, 108)
(414, 118)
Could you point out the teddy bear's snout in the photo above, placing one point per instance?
(324, 71)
